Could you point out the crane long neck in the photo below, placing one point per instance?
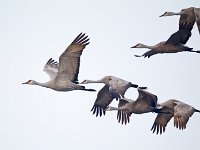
(46, 84)
(96, 81)
(115, 108)
(147, 46)
(175, 13)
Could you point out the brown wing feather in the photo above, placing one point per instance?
(69, 60)
(147, 98)
(104, 98)
(123, 116)
(182, 113)
(160, 122)
(181, 36)
(187, 19)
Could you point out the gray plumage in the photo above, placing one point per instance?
(51, 68)
(117, 86)
(188, 17)
(64, 75)
(104, 98)
(146, 102)
(179, 37)
(176, 41)
(173, 45)
(173, 108)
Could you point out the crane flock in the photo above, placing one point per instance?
(64, 77)
(176, 42)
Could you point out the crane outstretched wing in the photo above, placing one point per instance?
(147, 98)
(69, 60)
(182, 113)
(104, 98)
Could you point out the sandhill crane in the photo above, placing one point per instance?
(146, 102)
(173, 108)
(64, 75)
(173, 45)
(188, 17)
(117, 86)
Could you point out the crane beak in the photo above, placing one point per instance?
(136, 46)
(83, 82)
(25, 83)
(133, 46)
(161, 15)
(165, 13)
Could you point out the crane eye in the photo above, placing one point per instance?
(29, 81)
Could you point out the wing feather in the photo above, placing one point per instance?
(182, 113)
(187, 18)
(160, 122)
(69, 60)
(180, 37)
(123, 116)
(51, 68)
(147, 98)
(104, 98)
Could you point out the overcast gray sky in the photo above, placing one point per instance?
(38, 118)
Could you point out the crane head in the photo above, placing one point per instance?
(85, 82)
(139, 45)
(168, 13)
(31, 82)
